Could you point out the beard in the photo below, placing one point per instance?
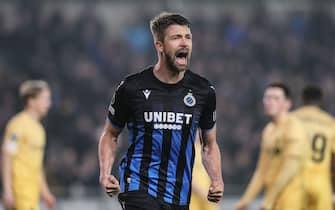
(171, 62)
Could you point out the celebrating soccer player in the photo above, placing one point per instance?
(163, 107)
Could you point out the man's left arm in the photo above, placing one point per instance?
(211, 159)
(210, 153)
(48, 198)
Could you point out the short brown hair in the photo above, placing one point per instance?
(161, 22)
(286, 90)
(31, 89)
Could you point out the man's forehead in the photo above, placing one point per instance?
(275, 90)
(178, 29)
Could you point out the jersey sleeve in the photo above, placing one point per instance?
(12, 138)
(208, 116)
(118, 108)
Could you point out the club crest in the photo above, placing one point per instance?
(189, 100)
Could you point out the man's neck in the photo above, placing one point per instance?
(165, 75)
(280, 117)
(32, 113)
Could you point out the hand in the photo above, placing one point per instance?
(265, 206)
(267, 203)
(110, 184)
(240, 206)
(8, 201)
(215, 192)
(49, 200)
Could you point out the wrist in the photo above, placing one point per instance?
(103, 176)
(267, 203)
(46, 194)
(217, 182)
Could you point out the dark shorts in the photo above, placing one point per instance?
(139, 200)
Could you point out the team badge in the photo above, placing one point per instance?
(11, 144)
(189, 100)
(13, 137)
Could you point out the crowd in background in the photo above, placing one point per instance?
(83, 61)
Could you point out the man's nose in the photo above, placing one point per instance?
(184, 42)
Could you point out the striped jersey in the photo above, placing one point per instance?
(162, 120)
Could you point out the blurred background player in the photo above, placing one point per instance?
(320, 128)
(281, 156)
(200, 183)
(23, 150)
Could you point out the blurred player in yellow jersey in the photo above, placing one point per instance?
(320, 127)
(23, 150)
(200, 183)
(279, 168)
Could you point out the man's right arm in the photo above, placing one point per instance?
(9, 149)
(107, 151)
(256, 184)
(8, 197)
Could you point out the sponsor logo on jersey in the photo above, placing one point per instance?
(167, 120)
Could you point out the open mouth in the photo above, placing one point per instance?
(181, 58)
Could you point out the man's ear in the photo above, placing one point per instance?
(159, 46)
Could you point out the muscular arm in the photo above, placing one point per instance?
(211, 160)
(107, 152)
(107, 148)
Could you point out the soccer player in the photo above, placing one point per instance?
(163, 106)
(279, 168)
(200, 183)
(23, 176)
(320, 127)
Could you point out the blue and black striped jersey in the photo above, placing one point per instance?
(162, 120)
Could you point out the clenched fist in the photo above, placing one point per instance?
(110, 184)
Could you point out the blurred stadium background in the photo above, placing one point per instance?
(84, 48)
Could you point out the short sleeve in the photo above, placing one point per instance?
(118, 108)
(208, 116)
(12, 138)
